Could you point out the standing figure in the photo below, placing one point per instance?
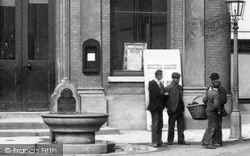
(156, 106)
(175, 106)
(223, 100)
(212, 99)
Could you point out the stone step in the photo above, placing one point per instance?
(21, 115)
(23, 132)
(46, 132)
(22, 125)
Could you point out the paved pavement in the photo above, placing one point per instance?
(131, 142)
(138, 137)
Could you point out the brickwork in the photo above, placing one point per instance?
(217, 41)
(177, 24)
(105, 41)
(74, 40)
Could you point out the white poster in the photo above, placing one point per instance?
(133, 56)
(166, 60)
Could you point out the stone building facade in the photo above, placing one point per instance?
(199, 29)
(123, 96)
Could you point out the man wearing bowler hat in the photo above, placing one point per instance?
(175, 106)
(222, 112)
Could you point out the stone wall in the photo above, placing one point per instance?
(126, 101)
(217, 41)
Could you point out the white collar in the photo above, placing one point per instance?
(156, 80)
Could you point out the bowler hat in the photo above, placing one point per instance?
(214, 76)
(176, 75)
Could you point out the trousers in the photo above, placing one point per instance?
(157, 125)
(179, 117)
(213, 133)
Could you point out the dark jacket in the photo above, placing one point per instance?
(175, 97)
(212, 100)
(223, 94)
(156, 97)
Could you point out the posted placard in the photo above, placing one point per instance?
(133, 56)
(168, 61)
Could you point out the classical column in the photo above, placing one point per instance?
(62, 29)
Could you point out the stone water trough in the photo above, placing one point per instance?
(70, 127)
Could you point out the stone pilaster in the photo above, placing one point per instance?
(90, 85)
(62, 47)
(194, 55)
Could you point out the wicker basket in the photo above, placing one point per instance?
(197, 111)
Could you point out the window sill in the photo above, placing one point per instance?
(125, 79)
(127, 73)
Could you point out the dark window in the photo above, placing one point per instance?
(7, 32)
(38, 32)
(132, 21)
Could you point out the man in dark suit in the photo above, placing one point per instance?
(175, 106)
(156, 106)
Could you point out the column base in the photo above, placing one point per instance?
(235, 126)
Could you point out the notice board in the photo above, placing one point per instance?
(168, 61)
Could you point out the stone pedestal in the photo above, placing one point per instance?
(93, 100)
(69, 138)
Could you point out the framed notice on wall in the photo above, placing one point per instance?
(133, 56)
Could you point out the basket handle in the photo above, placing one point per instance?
(197, 97)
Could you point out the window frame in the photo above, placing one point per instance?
(128, 73)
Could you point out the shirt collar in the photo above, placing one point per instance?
(156, 80)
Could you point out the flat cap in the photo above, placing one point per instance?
(176, 75)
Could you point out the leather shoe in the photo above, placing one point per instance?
(217, 145)
(203, 144)
(210, 147)
(159, 145)
(183, 143)
(169, 143)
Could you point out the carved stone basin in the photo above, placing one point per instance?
(75, 128)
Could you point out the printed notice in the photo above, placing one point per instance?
(133, 56)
